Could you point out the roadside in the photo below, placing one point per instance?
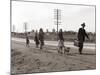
(33, 60)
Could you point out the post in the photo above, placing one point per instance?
(57, 17)
(13, 28)
(57, 24)
(25, 28)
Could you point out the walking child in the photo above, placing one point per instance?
(27, 41)
(36, 39)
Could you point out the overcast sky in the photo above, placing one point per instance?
(41, 15)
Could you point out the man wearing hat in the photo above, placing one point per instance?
(81, 37)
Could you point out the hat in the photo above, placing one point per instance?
(83, 24)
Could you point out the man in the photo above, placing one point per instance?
(81, 37)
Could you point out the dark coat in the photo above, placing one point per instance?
(81, 35)
(27, 40)
(61, 36)
(41, 38)
(36, 39)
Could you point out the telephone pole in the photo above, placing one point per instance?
(25, 28)
(13, 28)
(57, 19)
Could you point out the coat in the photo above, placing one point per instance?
(27, 40)
(81, 35)
(36, 39)
(41, 38)
(61, 36)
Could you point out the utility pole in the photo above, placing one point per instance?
(13, 28)
(57, 18)
(25, 28)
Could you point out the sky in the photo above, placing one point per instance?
(41, 15)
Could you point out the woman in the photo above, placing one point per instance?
(36, 39)
(61, 41)
(41, 37)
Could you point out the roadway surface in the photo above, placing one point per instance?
(90, 46)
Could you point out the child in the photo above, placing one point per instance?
(36, 39)
(27, 41)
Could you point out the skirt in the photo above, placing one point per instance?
(60, 43)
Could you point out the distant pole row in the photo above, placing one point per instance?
(57, 21)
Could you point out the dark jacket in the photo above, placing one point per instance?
(36, 39)
(27, 40)
(61, 36)
(41, 38)
(81, 35)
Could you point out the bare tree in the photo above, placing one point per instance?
(53, 30)
(47, 30)
(33, 30)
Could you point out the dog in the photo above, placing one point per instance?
(66, 50)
